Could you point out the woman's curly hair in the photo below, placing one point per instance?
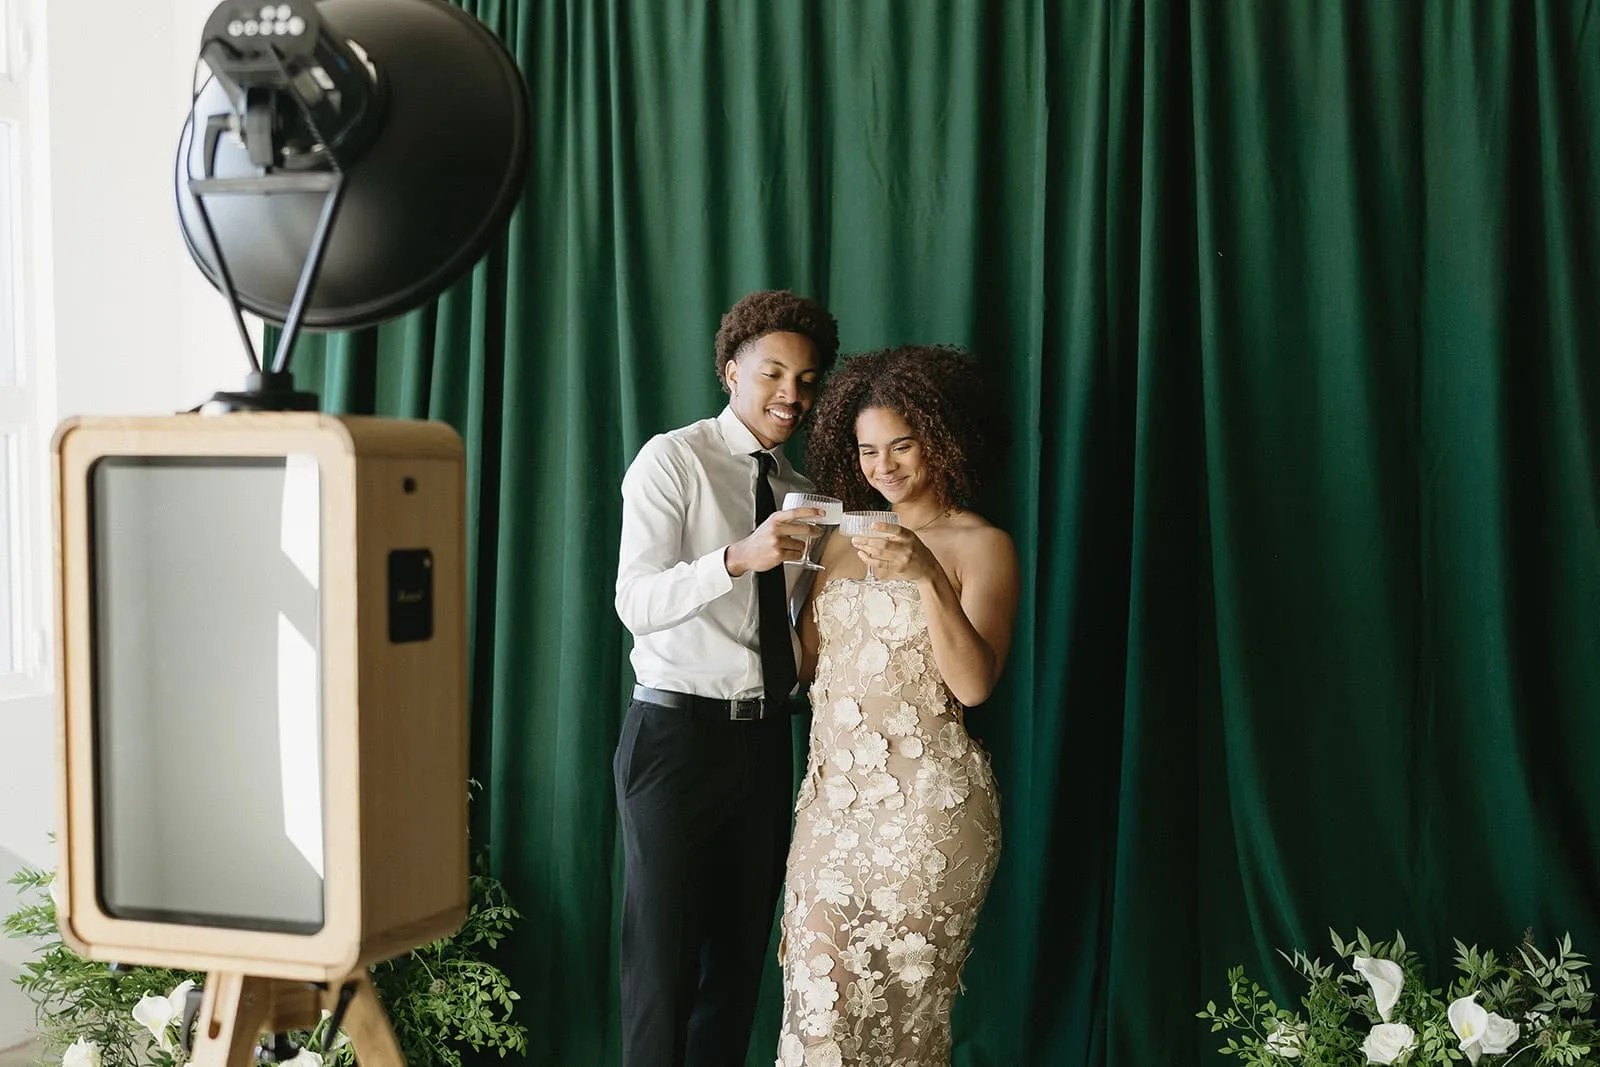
(772, 311)
(938, 391)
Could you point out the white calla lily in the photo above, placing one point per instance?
(1469, 1021)
(179, 997)
(1286, 1040)
(1499, 1034)
(1386, 979)
(159, 1014)
(1387, 1042)
(82, 1053)
(155, 1015)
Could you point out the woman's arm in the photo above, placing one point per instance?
(970, 630)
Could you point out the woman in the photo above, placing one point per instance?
(897, 824)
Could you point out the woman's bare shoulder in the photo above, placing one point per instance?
(979, 543)
(975, 528)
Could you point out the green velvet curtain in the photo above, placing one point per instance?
(1296, 311)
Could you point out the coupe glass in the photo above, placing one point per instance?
(860, 524)
(831, 509)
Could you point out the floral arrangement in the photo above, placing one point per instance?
(441, 998)
(1372, 1006)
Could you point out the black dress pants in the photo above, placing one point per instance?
(706, 814)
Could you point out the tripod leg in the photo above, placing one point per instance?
(367, 1023)
(232, 1014)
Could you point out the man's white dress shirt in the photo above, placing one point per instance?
(688, 494)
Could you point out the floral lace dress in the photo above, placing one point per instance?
(897, 833)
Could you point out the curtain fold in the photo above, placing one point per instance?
(1293, 309)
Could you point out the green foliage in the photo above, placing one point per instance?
(1546, 997)
(442, 998)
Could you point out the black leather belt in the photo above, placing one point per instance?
(712, 707)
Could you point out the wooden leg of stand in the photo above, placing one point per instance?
(367, 1023)
(231, 1016)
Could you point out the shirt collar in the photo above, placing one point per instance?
(740, 441)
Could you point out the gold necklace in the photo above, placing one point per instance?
(930, 522)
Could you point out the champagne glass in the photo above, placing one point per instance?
(831, 508)
(860, 524)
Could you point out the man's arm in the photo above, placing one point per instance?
(655, 589)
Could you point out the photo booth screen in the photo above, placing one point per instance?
(207, 691)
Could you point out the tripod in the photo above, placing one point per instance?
(238, 1008)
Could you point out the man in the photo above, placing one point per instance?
(704, 765)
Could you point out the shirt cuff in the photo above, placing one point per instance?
(711, 573)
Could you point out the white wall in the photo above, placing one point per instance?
(137, 329)
(129, 325)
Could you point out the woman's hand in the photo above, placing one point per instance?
(897, 553)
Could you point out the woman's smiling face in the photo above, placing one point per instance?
(891, 456)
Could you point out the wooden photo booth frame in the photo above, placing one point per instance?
(394, 723)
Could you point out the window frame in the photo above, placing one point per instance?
(24, 402)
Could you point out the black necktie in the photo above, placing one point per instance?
(777, 652)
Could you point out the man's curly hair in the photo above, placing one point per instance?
(774, 311)
(938, 391)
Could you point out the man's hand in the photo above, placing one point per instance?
(782, 536)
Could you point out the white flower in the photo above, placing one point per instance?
(1499, 1034)
(942, 783)
(81, 1054)
(847, 838)
(886, 902)
(846, 712)
(953, 738)
(1386, 979)
(824, 1055)
(1286, 1041)
(791, 1052)
(878, 607)
(819, 1023)
(871, 752)
(911, 959)
(157, 1014)
(833, 887)
(865, 998)
(841, 760)
(874, 934)
(179, 997)
(1469, 1021)
(818, 993)
(873, 658)
(1387, 1042)
(910, 747)
(154, 1014)
(839, 791)
(882, 788)
(856, 958)
(901, 720)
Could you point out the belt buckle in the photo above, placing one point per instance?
(747, 710)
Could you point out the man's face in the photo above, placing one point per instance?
(773, 382)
